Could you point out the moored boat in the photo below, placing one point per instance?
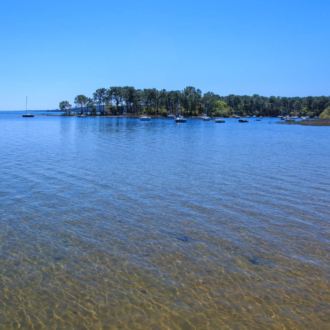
(206, 118)
(27, 115)
(288, 118)
(219, 120)
(145, 118)
(179, 118)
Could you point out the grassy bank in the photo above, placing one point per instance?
(318, 122)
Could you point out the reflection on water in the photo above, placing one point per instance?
(121, 224)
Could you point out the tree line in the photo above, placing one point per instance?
(192, 102)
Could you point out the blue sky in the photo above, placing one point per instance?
(53, 51)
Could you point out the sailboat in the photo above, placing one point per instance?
(144, 117)
(27, 114)
(219, 120)
(288, 118)
(179, 118)
(205, 117)
(171, 116)
(236, 116)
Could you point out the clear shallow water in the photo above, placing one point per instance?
(120, 224)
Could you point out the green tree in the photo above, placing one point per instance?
(65, 106)
(307, 101)
(117, 95)
(128, 96)
(100, 96)
(297, 106)
(90, 104)
(81, 100)
(325, 113)
(137, 100)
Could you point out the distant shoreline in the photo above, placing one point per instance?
(138, 116)
(318, 122)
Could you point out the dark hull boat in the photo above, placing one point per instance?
(27, 115)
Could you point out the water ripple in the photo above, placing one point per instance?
(119, 224)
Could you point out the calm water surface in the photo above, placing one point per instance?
(112, 223)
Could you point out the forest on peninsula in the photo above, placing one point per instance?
(191, 102)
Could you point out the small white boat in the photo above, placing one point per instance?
(288, 118)
(261, 117)
(237, 117)
(179, 118)
(145, 118)
(305, 118)
(219, 120)
(206, 118)
(82, 116)
(254, 116)
(248, 117)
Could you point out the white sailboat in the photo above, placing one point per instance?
(179, 118)
(205, 116)
(27, 115)
(287, 117)
(144, 117)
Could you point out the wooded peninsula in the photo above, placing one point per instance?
(192, 102)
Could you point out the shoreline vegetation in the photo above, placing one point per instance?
(190, 102)
(318, 122)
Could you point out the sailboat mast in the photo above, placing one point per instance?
(144, 103)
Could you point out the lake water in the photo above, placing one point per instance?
(112, 223)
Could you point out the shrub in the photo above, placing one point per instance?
(325, 113)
